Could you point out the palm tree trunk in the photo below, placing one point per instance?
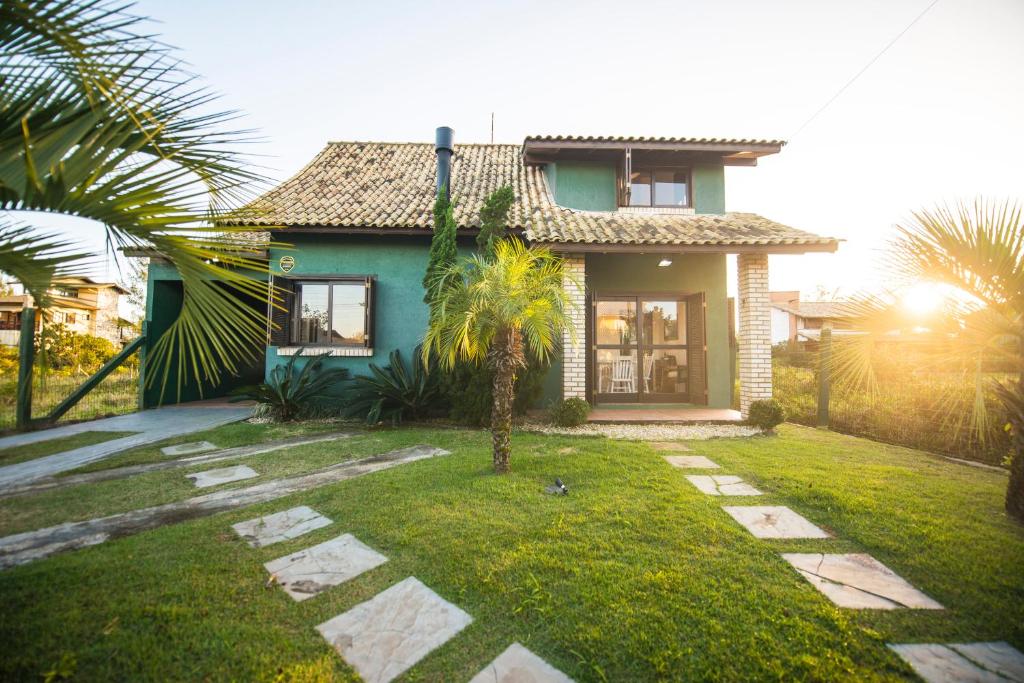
(1015, 487)
(1014, 402)
(506, 358)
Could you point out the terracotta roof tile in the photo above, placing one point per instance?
(375, 185)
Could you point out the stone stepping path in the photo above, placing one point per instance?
(858, 581)
(314, 570)
(224, 475)
(691, 462)
(189, 448)
(519, 665)
(774, 521)
(280, 526)
(722, 485)
(133, 470)
(984, 662)
(33, 545)
(389, 633)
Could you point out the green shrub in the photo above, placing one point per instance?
(766, 414)
(572, 412)
(394, 392)
(290, 395)
(467, 390)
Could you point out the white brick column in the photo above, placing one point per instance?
(755, 331)
(574, 353)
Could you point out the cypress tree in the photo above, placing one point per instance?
(494, 219)
(443, 247)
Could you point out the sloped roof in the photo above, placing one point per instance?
(627, 139)
(390, 187)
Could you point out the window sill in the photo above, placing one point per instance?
(320, 350)
(676, 210)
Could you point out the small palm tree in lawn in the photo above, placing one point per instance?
(977, 249)
(491, 310)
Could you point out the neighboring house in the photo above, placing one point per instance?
(82, 304)
(640, 222)
(797, 321)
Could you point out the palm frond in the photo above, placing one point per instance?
(34, 260)
(99, 120)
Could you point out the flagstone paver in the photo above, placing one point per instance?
(29, 546)
(691, 462)
(670, 446)
(722, 485)
(519, 665)
(280, 526)
(984, 662)
(237, 452)
(222, 475)
(189, 448)
(858, 581)
(774, 521)
(314, 570)
(386, 635)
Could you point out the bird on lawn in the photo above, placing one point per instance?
(561, 487)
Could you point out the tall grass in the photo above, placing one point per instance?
(908, 408)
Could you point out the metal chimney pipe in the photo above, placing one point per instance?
(443, 143)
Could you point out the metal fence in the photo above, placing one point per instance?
(116, 394)
(926, 410)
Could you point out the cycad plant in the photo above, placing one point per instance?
(289, 394)
(490, 310)
(394, 393)
(99, 120)
(978, 249)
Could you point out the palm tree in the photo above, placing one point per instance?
(101, 121)
(977, 249)
(490, 310)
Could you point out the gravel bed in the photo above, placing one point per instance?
(646, 432)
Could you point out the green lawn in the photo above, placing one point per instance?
(633, 576)
(9, 456)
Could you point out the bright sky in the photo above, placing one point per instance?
(937, 118)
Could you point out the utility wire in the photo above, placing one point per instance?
(861, 72)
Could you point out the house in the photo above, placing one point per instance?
(81, 304)
(800, 321)
(640, 222)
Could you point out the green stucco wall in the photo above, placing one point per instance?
(592, 186)
(589, 187)
(398, 263)
(688, 274)
(708, 188)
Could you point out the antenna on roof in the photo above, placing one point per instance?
(492, 127)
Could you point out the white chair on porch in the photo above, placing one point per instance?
(648, 371)
(623, 376)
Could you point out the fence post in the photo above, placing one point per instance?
(26, 365)
(824, 375)
(144, 331)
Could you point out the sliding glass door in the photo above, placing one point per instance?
(640, 346)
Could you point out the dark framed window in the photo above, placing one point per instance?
(661, 187)
(332, 311)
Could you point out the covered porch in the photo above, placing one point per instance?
(655, 336)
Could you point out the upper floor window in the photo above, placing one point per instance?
(69, 292)
(666, 187)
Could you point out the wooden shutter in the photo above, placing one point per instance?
(281, 311)
(696, 345)
(370, 317)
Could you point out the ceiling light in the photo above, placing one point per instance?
(664, 263)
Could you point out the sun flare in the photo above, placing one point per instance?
(923, 298)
